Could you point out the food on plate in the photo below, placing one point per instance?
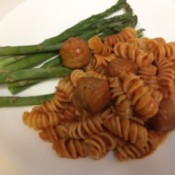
(165, 118)
(116, 103)
(117, 66)
(92, 94)
(75, 53)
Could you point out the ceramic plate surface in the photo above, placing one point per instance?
(32, 22)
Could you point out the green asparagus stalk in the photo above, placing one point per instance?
(51, 63)
(7, 60)
(15, 101)
(19, 86)
(53, 43)
(28, 62)
(34, 73)
(57, 60)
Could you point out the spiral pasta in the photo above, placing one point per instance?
(140, 96)
(128, 130)
(166, 75)
(126, 34)
(76, 75)
(99, 145)
(66, 86)
(162, 51)
(100, 61)
(139, 42)
(146, 73)
(123, 106)
(132, 52)
(81, 129)
(70, 148)
(98, 47)
(48, 134)
(59, 101)
(116, 87)
(39, 120)
(125, 150)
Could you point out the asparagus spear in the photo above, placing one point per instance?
(27, 62)
(34, 73)
(7, 60)
(14, 101)
(19, 86)
(53, 43)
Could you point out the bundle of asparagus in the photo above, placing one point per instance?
(18, 63)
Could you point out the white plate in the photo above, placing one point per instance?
(33, 21)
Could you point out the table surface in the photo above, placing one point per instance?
(7, 167)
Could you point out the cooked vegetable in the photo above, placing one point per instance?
(23, 101)
(28, 62)
(35, 73)
(19, 86)
(7, 60)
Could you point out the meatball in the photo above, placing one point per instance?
(116, 66)
(75, 53)
(92, 94)
(165, 118)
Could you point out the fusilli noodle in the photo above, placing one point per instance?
(139, 95)
(125, 150)
(132, 52)
(128, 130)
(126, 34)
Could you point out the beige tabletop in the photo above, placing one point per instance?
(6, 166)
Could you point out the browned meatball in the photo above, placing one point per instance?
(116, 66)
(75, 53)
(165, 119)
(92, 94)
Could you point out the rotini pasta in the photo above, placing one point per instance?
(116, 87)
(126, 34)
(59, 101)
(76, 75)
(100, 62)
(66, 86)
(166, 75)
(139, 95)
(139, 42)
(49, 134)
(99, 145)
(98, 47)
(70, 148)
(38, 120)
(81, 129)
(162, 51)
(123, 106)
(125, 150)
(128, 130)
(132, 52)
